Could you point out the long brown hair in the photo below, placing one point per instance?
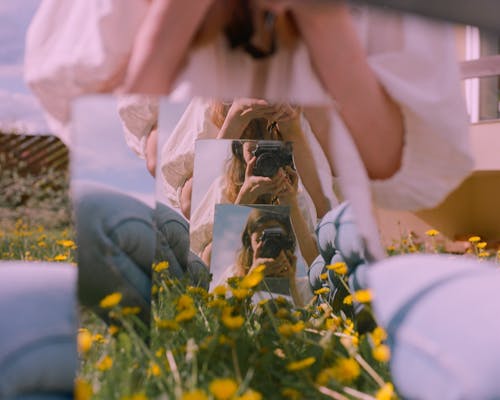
(256, 219)
(237, 20)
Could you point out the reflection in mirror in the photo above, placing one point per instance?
(196, 172)
(113, 197)
(249, 237)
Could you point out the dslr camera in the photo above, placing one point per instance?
(274, 240)
(271, 155)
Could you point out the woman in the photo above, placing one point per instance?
(268, 239)
(240, 185)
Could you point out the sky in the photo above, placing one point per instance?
(19, 110)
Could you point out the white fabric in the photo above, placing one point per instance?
(77, 47)
(139, 114)
(415, 59)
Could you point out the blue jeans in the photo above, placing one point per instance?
(38, 326)
(119, 237)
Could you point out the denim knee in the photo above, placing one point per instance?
(38, 325)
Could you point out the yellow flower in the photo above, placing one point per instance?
(379, 335)
(104, 363)
(161, 266)
(390, 249)
(386, 392)
(250, 395)
(167, 324)
(345, 370)
(363, 296)
(186, 314)
(223, 388)
(474, 239)
(301, 364)
(98, 338)
(131, 310)
(220, 290)
(41, 243)
(338, 267)
(136, 396)
(322, 290)
(332, 323)
(154, 369)
(83, 389)
(252, 279)
(323, 276)
(111, 300)
(196, 394)
(113, 329)
(481, 245)
(290, 393)
(288, 329)
(348, 299)
(483, 253)
(184, 301)
(66, 243)
(230, 321)
(84, 340)
(61, 257)
(241, 293)
(381, 353)
(263, 302)
(432, 232)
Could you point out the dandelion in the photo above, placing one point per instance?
(481, 245)
(83, 389)
(170, 325)
(483, 254)
(379, 335)
(345, 370)
(323, 276)
(390, 249)
(474, 239)
(60, 257)
(241, 293)
(386, 392)
(136, 396)
(230, 321)
(84, 340)
(154, 369)
(184, 301)
(288, 329)
(104, 363)
(363, 296)
(111, 300)
(98, 338)
(66, 243)
(161, 266)
(348, 299)
(196, 394)
(301, 364)
(223, 388)
(322, 290)
(381, 353)
(186, 314)
(113, 330)
(131, 310)
(338, 267)
(290, 393)
(250, 395)
(252, 279)
(220, 290)
(432, 232)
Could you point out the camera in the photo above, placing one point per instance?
(271, 156)
(274, 240)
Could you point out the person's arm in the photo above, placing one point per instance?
(372, 117)
(162, 44)
(291, 130)
(305, 238)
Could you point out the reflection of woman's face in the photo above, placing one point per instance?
(255, 237)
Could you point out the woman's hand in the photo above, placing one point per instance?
(287, 193)
(256, 186)
(241, 112)
(283, 266)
